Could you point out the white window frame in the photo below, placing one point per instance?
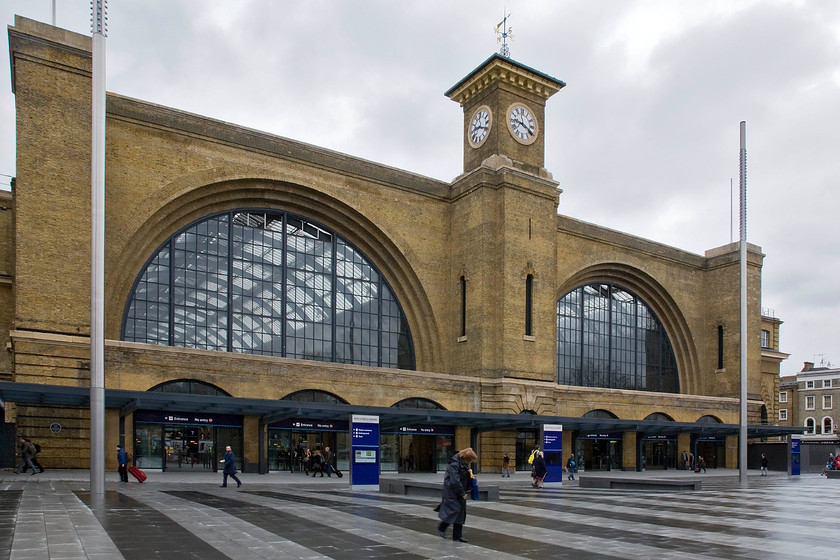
(827, 402)
(765, 338)
(782, 396)
(810, 402)
(827, 384)
(830, 421)
(809, 384)
(783, 414)
(812, 429)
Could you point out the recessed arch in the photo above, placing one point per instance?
(709, 419)
(189, 386)
(660, 302)
(600, 413)
(190, 198)
(418, 402)
(658, 417)
(314, 395)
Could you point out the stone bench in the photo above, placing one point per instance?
(832, 474)
(406, 487)
(640, 483)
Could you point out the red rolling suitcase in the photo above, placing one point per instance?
(137, 473)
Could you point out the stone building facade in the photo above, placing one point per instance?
(478, 267)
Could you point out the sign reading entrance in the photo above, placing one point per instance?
(552, 445)
(364, 441)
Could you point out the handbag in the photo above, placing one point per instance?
(474, 489)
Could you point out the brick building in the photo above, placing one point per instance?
(242, 266)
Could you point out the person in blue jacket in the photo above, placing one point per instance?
(122, 461)
(230, 468)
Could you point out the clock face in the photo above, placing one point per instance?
(479, 126)
(522, 124)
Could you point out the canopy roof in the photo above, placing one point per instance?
(389, 417)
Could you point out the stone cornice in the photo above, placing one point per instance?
(498, 69)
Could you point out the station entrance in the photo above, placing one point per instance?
(422, 449)
(289, 440)
(165, 441)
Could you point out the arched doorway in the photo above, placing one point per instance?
(416, 447)
(659, 451)
(175, 440)
(711, 448)
(598, 451)
(291, 438)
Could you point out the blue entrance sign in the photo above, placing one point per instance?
(364, 443)
(552, 445)
(795, 456)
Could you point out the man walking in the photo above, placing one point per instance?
(122, 461)
(230, 468)
(26, 453)
(328, 461)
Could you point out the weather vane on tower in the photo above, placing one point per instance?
(503, 32)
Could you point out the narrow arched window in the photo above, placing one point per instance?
(529, 302)
(463, 306)
(720, 346)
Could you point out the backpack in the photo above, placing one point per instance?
(531, 458)
(572, 464)
(37, 448)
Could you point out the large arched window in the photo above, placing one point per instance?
(608, 337)
(271, 283)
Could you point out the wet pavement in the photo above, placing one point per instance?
(283, 515)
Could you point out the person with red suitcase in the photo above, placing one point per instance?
(122, 461)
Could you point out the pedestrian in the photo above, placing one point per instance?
(701, 464)
(35, 450)
(684, 460)
(763, 464)
(571, 466)
(26, 452)
(122, 461)
(230, 468)
(540, 470)
(317, 460)
(329, 458)
(506, 466)
(457, 483)
(307, 461)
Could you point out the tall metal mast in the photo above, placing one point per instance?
(742, 440)
(99, 28)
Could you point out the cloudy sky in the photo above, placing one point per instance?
(644, 139)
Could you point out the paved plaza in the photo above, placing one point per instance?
(180, 515)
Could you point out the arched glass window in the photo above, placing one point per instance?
(810, 426)
(827, 426)
(189, 387)
(313, 395)
(271, 283)
(417, 402)
(608, 337)
(600, 414)
(659, 417)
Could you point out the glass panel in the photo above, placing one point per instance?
(148, 446)
(607, 337)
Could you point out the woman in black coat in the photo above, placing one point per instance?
(539, 470)
(457, 484)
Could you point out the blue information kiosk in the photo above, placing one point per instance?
(552, 446)
(364, 444)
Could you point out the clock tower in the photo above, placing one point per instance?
(504, 112)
